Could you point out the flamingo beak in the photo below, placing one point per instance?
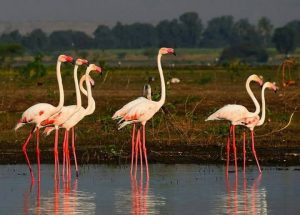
(98, 69)
(86, 62)
(69, 59)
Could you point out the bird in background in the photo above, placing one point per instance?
(65, 113)
(234, 113)
(141, 110)
(252, 122)
(40, 112)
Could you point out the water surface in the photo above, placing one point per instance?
(172, 189)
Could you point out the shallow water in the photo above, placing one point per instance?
(172, 189)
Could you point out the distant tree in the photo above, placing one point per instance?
(295, 26)
(12, 37)
(265, 28)
(244, 52)
(169, 33)
(120, 34)
(191, 29)
(218, 32)
(62, 40)
(284, 40)
(36, 41)
(103, 37)
(245, 33)
(142, 35)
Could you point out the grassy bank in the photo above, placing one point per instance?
(177, 133)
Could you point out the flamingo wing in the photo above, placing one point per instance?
(121, 112)
(141, 112)
(231, 113)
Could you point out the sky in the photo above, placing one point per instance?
(108, 12)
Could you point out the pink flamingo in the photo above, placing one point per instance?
(234, 113)
(48, 130)
(65, 113)
(76, 117)
(141, 110)
(252, 122)
(40, 112)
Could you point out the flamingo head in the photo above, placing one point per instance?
(80, 62)
(65, 58)
(271, 86)
(256, 78)
(91, 80)
(93, 67)
(164, 50)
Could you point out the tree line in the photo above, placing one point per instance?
(187, 31)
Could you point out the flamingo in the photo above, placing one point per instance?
(234, 113)
(252, 122)
(48, 130)
(142, 109)
(40, 112)
(78, 116)
(65, 113)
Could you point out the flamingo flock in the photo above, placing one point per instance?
(137, 112)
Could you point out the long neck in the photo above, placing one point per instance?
(91, 102)
(78, 96)
(257, 106)
(60, 86)
(81, 85)
(263, 113)
(162, 81)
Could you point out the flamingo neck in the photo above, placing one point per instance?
(250, 93)
(162, 81)
(60, 86)
(263, 101)
(91, 102)
(78, 96)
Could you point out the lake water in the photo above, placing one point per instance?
(172, 189)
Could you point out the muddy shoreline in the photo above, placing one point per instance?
(172, 154)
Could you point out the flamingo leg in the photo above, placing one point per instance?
(228, 150)
(140, 152)
(38, 152)
(68, 157)
(254, 151)
(74, 151)
(56, 159)
(145, 151)
(132, 148)
(64, 154)
(244, 151)
(25, 153)
(234, 148)
(136, 153)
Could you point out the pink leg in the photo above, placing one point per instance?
(64, 154)
(68, 157)
(234, 148)
(74, 150)
(145, 151)
(254, 152)
(25, 153)
(132, 148)
(140, 152)
(56, 159)
(38, 152)
(136, 153)
(244, 151)
(228, 149)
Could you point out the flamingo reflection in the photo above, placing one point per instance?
(246, 200)
(66, 200)
(139, 196)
